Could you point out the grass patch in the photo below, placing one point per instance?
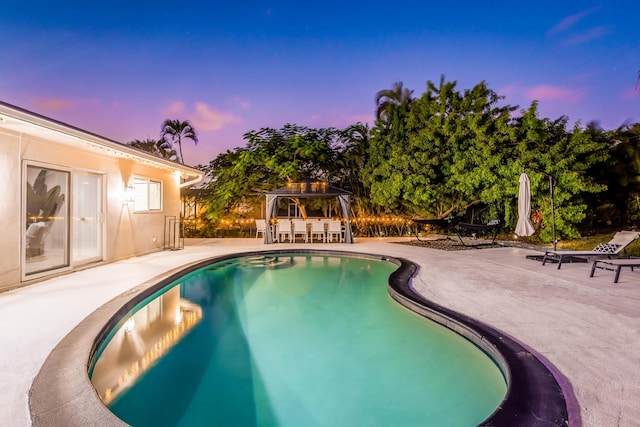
(590, 242)
(583, 244)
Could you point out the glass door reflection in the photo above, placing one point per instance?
(46, 238)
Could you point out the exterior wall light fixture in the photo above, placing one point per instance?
(129, 195)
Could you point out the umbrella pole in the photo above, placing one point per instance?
(553, 218)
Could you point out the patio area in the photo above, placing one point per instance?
(585, 328)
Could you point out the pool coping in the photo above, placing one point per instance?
(534, 396)
(62, 394)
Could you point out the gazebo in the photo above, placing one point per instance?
(307, 190)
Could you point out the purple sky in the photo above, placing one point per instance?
(119, 69)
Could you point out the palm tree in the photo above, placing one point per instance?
(161, 148)
(398, 95)
(176, 131)
(356, 139)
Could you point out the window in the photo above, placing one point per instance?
(148, 195)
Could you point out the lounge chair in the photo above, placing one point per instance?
(614, 247)
(614, 265)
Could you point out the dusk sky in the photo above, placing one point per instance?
(119, 69)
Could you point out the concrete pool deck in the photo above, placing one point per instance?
(586, 328)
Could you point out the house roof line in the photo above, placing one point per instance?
(91, 140)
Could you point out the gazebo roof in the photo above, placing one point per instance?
(308, 189)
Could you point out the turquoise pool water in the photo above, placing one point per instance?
(306, 340)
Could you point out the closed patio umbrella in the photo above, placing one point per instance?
(524, 226)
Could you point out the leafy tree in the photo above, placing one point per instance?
(351, 158)
(161, 147)
(626, 147)
(605, 209)
(625, 152)
(546, 149)
(175, 131)
(441, 155)
(293, 152)
(231, 183)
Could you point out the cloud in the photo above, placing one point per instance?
(546, 92)
(568, 28)
(570, 21)
(53, 105)
(240, 103)
(587, 36)
(204, 117)
(176, 108)
(208, 118)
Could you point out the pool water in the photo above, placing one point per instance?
(310, 340)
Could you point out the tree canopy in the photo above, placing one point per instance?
(447, 152)
(441, 154)
(451, 150)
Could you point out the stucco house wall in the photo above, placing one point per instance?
(28, 140)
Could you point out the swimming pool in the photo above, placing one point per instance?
(290, 339)
(62, 394)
